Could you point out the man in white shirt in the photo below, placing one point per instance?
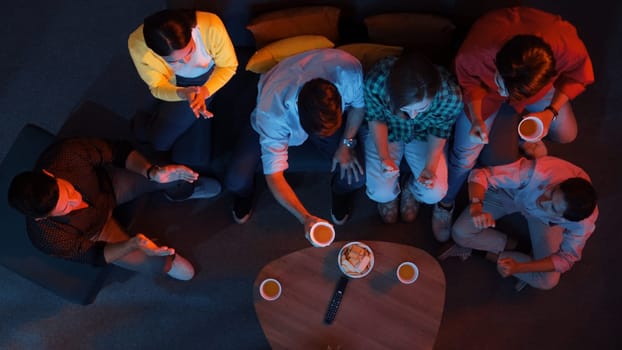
(559, 203)
(317, 97)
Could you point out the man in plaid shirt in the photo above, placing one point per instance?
(411, 109)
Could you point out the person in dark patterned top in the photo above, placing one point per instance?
(411, 109)
(69, 197)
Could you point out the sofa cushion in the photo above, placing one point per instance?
(312, 20)
(430, 34)
(370, 54)
(273, 53)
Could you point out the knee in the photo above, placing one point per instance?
(381, 194)
(461, 234)
(463, 159)
(430, 195)
(566, 137)
(547, 280)
(564, 129)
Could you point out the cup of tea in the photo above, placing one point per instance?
(270, 289)
(322, 234)
(407, 272)
(531, 129)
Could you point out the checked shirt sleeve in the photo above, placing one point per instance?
(446, 107)
(375, 90)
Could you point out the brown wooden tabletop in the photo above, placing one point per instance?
(377, 311)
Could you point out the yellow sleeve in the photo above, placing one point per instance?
(152, 69)
(219, 46)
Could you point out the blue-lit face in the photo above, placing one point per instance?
(414, 108)
(181, 56)
(552, 201)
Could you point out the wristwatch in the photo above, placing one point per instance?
(350, 143)
(553, 110)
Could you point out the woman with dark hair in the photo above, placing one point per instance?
(185, 57)
(527, 61)
(411, 109)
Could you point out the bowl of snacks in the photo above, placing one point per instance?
(355, 259)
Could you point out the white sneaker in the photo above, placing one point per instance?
(181, 269)
(203, 188)
(441, 222)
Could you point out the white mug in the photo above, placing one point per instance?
(318, 233)
(531, 129)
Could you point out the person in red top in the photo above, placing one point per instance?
(529, 59)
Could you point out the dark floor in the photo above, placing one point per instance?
(58, 53)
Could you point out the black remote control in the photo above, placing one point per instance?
(336, 300)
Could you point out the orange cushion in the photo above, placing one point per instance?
(271, 54)
(312, 20)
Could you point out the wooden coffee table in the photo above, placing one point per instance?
(377, 311)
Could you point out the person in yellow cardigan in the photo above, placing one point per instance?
(184, 57)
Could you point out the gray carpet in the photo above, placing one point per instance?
(58, 53)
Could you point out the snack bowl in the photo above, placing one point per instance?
(355, 259)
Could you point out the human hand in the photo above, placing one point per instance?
(479, 132)
(481, 219)
(197, 104)
(187, 93)
(507, 266)
(348, 163)
(173, 172)
(545, 116)
(196, 95)
(426, 178)
(389, 168)
(150, 248)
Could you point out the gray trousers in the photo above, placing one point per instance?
(545, 239)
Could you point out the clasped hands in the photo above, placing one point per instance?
(348, 164)
(196, 96)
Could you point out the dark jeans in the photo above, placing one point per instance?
(240, 174)
(174, 128)
(128, 186)
(244, 162)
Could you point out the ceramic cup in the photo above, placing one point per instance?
(531, 129)
(270, 289)
(322, 234)
(407, 272)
